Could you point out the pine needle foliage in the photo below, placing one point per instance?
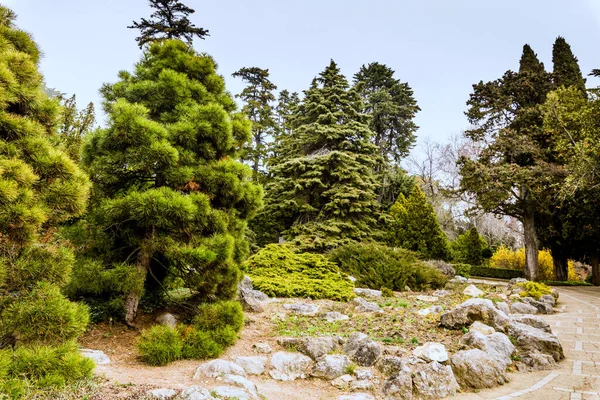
(170, 197)
(40, 186)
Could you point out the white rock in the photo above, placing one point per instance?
(331, 366)
(217, 368)
(356, 396)
(363, 374)
(342, 381)
(477, 369)
(167, 319)
(367, 292)
(333, 316)
(99, 357)
(430, 310)
(441, 293)
(503, 306)
(361, 385)
(497, 345)
(162, 394)
(231, 392)
(433, 381)
(289, 366)
(242, 382)
(482, 328)
(365, 306)
(351, 278)
(459, 279)
(429, 299)
(302, 308)
(196, 393)
(262, 348)
(431, 351)
(473, 291)
(523, 308)
(252, 365)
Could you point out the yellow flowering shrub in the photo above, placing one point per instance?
(506, 258)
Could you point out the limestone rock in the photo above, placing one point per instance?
(314, 347)
(473, 291)
(549, 299)
(167, 319)
(334, 316)
(433, 381)
(361, 385)
(242, 382)
(362, 350)
(289, 366)
(343, 381)
(367, 292)
(430, 310)
(331, 367)
(398, 386)
(476, 369)
(523, 308)
(531, 340)
(459, 279)
(356, 396)
(162, 394)
(542, 307)
(302, 308)
(427, 299)
(362, 305)
(252, 365)
(431, 351)
(231, 392)
(441, 293)
(363, 374)
(472, 310)
(481, 328)
(538, 361)
(262, 348)
(497, 345)
(390, 365)
(99, 357)
(532, 320)
(217, 368)
(196, 393)
(252, 300)
(503, 306)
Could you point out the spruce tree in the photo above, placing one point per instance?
(323, 191)
(417, 228)
(258, 98)
(40, 187)
(566, 70)
(469, 247)
(171, 200)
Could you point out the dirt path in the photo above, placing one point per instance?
(578, 377)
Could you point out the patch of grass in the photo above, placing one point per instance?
(350, 369)
(414, 340)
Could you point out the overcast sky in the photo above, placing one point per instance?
(440, 47)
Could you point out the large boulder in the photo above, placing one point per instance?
(532, 340)
(252, 365)
(543, 307)
(522, 308)
(252, 300)
(477, 369)
(532, 320)
(398, 386)
(443, 267)
(472, 310)
(431, 351)
(496, 344)
(218, 368)
(362, 350)
(289, 366)
(503, 306)
(433, 381)
(482, 328)
(331, 367)
(392, 365)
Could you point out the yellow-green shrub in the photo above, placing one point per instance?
(534, 289)
(160, 345)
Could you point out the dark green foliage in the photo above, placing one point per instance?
(323, 190)
(376, 266)
(278, 271)
(566, 70)
(160, 345)
(569, 283)
(469, 248)
(170, 22)
(385, 292)
(198, 345)
(220, 315)
(74, 125)
(416, 227)
(171, 201)
(463, 270)
(486, 272)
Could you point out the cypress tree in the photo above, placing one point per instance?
(417, 228)
(40, 187)
(566, 70)
(171, 199)
(322, 192)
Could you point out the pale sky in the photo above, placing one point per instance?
(439, 47)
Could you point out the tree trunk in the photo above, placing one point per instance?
(142, 265)
(561, 264)
(531, 246)
(595, 269)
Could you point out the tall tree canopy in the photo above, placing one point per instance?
(170, 196)
(323, 191)
(566, 70)
(169, 21)
(40, 187)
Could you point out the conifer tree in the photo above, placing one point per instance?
(171, 199)
(323, 192)
(40, 187)
(469, 247)
(74, 125)
(566, 71)
(258, 98)
(417, 228)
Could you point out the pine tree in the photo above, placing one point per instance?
(469, 247)
(171, 196)
(74, 125)
(322, 193)
(417, 228)
(40, 187)
(566, 70)
(258, 98)
(171, 22)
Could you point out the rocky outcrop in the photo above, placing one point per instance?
(477, 369)
(496, 345)
(531, 340)
(472, 310)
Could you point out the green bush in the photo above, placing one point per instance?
(219, 315)
(376, 266)
(278, 271)
(495, 272)
(534, 289)
(199, 344)
(385, 292)
(567, 283)
(160, 345)
(463, 270)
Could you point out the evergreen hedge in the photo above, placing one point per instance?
(498, 273)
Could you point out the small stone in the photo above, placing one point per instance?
(367, 292)
(289, 366)
(242, 382)
(162, 394)
(99, 357)
(361, 385)
(167, 319)
(302, 308)
(482, 328)
(431, 351)
(252, 365)
(356, 396)
(252, 300)
(363, 305)
(394, 351)
(441, 293)
(343, 381)
(331, 367)
(473, 291)
(196, 393)
(262, 348)
(523, 308)
(407, 289)
(217, 368)
(231, 392)
(459, 279)
(428, 299)
(334, 316)
(363, 374)
(430, 310)
(351, 278)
